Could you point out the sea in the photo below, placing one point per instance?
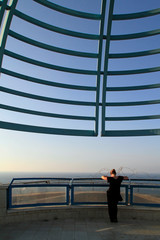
(6, 177)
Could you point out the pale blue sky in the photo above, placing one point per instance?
(42, 153)
(36, 152)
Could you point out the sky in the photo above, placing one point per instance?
(31, 152)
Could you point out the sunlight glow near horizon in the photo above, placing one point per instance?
(31, 152)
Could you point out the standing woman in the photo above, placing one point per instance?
(113, 193)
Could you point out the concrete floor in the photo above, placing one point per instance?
(69, 229)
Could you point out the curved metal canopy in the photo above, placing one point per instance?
(74, 72)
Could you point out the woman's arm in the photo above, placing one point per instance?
(125, 178)
(104, 177)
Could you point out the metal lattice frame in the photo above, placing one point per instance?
(8, 12)
(110, 38)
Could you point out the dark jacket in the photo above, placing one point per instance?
(113, 192)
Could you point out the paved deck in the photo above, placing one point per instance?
(69, 229)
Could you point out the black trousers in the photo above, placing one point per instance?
(112, 208)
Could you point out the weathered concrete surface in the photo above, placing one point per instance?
(86, 229)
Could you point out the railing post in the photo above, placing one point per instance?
(72, 195)
(67, 195)
(131, 195)
(9, 197)
(126, 195)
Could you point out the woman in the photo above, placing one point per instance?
(113, 193)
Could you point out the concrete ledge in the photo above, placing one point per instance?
(79, 212)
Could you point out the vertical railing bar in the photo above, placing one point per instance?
(72, 194)
(67, 194)
(126, 188)
(9, 196)
(5, 28)
(111, 6)
(131, 195)
(103, 10)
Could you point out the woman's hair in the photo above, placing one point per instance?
(113, 171)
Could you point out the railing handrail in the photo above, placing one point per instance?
(72, 179)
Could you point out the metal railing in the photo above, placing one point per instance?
(150, 200)
(33, 192)
(92, 194)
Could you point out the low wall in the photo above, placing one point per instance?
(75, 212)
(3, 202)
